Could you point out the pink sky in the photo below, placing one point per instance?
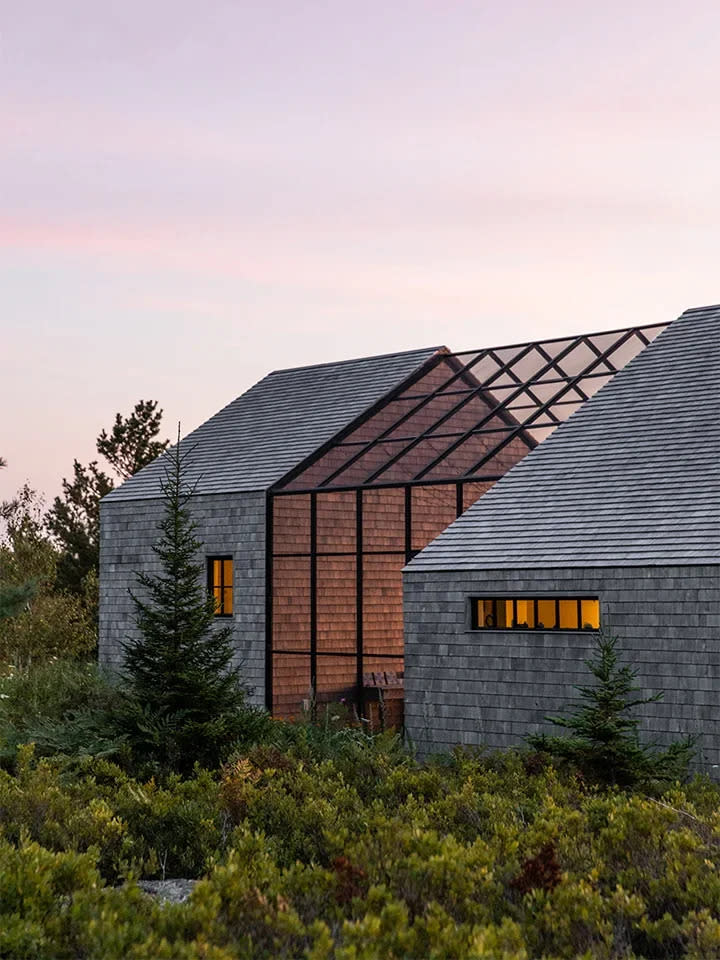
(193, 194)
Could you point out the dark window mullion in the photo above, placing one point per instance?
(313, 598)
(408, 525)
(359, 662)
(504, 620)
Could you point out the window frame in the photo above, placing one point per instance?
(222, 586)
(534, 598)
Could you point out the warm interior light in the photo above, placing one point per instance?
(568, 615)
(485, 613)
(590, 614)
(220, 584)
(546, 614)
(536, 613)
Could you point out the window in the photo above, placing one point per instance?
(220, 584)
(535, 613)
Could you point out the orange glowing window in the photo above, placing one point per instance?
(535, 613)
(220, 584)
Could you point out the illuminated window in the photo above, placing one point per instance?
(536, 613)
(220, 584)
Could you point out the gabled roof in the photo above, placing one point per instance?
(632, 478)
(255, 440)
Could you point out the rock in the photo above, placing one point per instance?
(170, 891)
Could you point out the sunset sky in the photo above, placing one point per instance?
(194, 194)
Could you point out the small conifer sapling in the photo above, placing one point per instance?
(604, 740)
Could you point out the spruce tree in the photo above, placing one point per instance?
(185, 701)
(604, 740)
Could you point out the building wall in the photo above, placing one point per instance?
(385, 547)
(493, 687)
(227, 524)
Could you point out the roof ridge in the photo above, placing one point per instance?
(709, 306)
(378, 356)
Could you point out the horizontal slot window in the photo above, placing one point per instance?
(535, 613)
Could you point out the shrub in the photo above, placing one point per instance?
(471, 856)
(40, 622)
(64, 707)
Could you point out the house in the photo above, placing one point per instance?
(612, 522)
(315, 488)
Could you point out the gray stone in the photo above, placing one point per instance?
(168, 891)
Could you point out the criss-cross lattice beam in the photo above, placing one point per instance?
(540, 415)
(439, 391)
(571, 384)
(498, 410)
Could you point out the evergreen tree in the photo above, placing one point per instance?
(74, 519)
(74, 522)
(14, 598)
(185, 700)
(604, 742)
(132, 443)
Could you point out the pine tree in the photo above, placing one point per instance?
(132, 443)
(185, 701)
(74, 519)
(74, 523)
(604, 742)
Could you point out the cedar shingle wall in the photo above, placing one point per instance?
(227, 524)
(493, 687)
(291, 603)
(433, 508)
(336, 607)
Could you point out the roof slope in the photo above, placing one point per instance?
(632, 478)
(255, 440)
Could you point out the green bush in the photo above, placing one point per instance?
(64, 707)
(48, 623)
(358, 852)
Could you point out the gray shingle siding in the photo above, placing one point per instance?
(633, 477)
(254, 441)
(227, 524)
(493, 687)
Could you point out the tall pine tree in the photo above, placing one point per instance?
(185, 701)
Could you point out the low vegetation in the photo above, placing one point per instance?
(319, 841)
(312, 839)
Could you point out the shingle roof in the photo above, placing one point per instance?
(632, 478)
(255, 440)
